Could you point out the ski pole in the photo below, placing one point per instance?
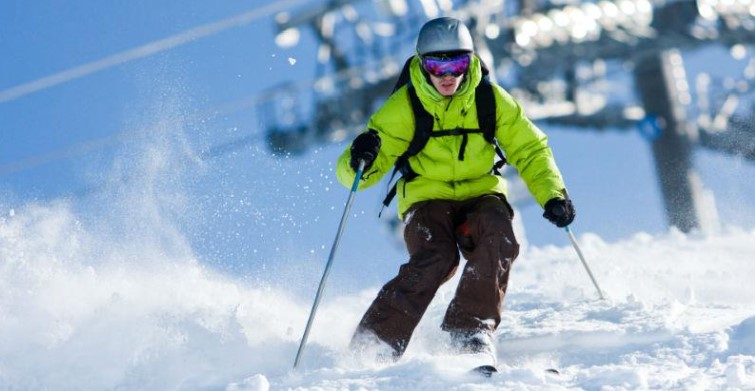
(320, 289)
(582, 258)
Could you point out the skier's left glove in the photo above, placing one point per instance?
(365, 147)
(560, 212)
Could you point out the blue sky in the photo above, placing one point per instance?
(69, 140)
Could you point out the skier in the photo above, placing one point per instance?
(449, 200)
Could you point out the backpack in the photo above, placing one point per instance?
(486, 118)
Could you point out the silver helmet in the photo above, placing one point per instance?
(443, 35)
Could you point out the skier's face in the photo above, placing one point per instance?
(446, 85)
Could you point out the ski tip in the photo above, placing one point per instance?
(485, 370)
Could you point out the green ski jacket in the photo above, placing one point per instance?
(441, 175)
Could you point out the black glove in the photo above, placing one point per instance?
(365, 147)
(560, 212)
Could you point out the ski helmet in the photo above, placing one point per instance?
(443, 35)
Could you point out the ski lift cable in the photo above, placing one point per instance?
(145, 50)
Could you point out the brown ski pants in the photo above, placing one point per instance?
(435, 232)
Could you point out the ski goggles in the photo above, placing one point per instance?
(441, 66)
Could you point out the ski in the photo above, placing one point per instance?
(489, 370)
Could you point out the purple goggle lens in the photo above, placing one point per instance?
(439, 67)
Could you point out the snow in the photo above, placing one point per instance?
(111, 292)
(82, 310)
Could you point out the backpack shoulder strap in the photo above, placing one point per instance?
(423, 129)
(423, 121)
(486, 116)
(485, 102)
(423, 124)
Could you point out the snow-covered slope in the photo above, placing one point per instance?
(79, 311)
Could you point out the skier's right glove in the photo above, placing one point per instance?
(365, 147)
(560, 211)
